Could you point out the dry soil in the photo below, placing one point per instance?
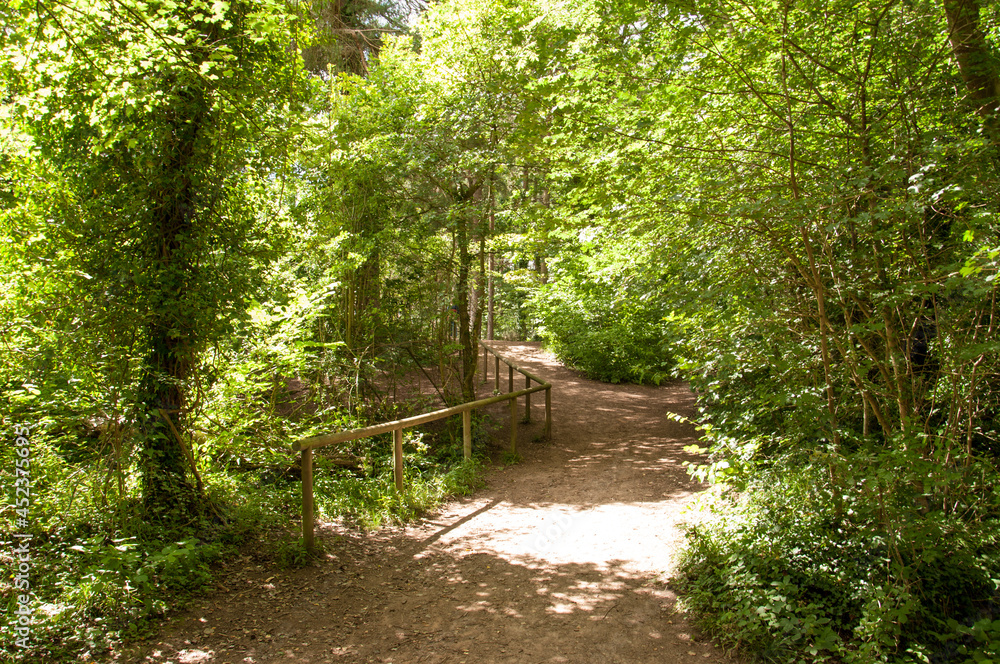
(564, 557)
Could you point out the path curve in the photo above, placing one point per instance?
(562, 558)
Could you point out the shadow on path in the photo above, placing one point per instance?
(561, 559)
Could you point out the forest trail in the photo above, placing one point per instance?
(562, 558)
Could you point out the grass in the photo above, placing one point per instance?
(101, 577)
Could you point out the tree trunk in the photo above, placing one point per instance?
(489, 279)
(464, 318)
(975, 63)
(172, 336)
(477, 319)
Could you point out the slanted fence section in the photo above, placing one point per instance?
(307, 445)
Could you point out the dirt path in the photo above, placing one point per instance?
(561, 559)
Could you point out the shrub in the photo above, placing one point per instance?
(603, 314)
(802, 567)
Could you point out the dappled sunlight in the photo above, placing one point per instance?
(563, 559)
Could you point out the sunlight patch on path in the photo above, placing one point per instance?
(554, 534)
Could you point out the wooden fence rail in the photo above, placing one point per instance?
(307, 445)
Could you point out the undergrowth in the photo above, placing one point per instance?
(799, 568)
(101, 577)
(603, 318)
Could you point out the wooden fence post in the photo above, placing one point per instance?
(513, 426)
(307, 498)
(486, 365)
(527, 400)
(548, 412)
(306, 445)
(397, 435)
(467, 433)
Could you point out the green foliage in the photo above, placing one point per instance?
(155, 126)
(511, 458)
(100, 580)
(291, 551)
(792, 205)
(100, 591)
(372, 501)
(980, 641)
(603, 310)
(820, 290)
(804, 568)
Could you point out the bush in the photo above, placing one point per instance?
(99, 591)
(803, 567)
(101, 575)
(604, 316)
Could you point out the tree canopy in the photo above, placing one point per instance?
(229, 224)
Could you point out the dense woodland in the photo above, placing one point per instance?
(229, 224)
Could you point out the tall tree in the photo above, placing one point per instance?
(348, 34)
(159, 118)
(823, 178)
(977, 62)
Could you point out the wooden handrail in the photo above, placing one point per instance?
(523, 372)
(307, 445)
(385, 427)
